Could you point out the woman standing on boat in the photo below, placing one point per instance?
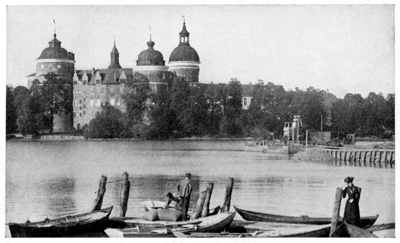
(352, 209)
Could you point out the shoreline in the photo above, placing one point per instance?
(65, 137)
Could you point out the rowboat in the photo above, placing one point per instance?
(144, 228)
(71, 225)
(264, 217)
(341, 231)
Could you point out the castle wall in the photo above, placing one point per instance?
(89, 98)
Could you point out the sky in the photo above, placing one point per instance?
(339, 48)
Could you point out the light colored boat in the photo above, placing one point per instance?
(145, 228)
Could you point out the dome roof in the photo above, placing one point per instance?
(55, 51)
(184, 52)
(150, 56)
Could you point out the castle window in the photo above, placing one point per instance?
(112, 101)
(91, 102)
(58, 66)
(98, 103)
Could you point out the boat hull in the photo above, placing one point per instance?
(214, 223)
(341, 231)
(264, 217)
(75, 228)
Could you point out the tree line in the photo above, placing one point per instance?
(184, 110)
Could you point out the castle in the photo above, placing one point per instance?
(93, 88)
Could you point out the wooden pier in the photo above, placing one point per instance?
(379, 158)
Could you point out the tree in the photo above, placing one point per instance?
(11, 113)
(135, 97)
(108, 123)
(55, 96)
(230, 123)
(163, 119)
(214, 107)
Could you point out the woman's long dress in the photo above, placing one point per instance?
(352, 209)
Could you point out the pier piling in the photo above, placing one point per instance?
(100, 193)
(336, 211)
(199, 205)
(228, 194)
(126, 185)
(206, 207)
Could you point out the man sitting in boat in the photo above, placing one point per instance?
(182, 196)
(352, 209)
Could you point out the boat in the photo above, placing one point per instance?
(152, 204)
(264, 217)
(341, 231)
(357, 232)
(211, 235)
(66, 226)
(143, 228)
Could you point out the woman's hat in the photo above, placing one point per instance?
(348, 179)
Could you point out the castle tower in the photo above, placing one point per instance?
(151, 65)
(184, 60)
(57, 60)
(114, 58)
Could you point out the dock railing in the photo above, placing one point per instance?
(382, 158)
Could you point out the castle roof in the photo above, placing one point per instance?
(103, 76)
(184, 52)
(55, 51)
(150, 56)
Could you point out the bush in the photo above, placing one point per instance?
(109, 123)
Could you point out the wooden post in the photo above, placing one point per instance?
(386, 158)
(100, 193)
(206, 206)
(371, 156)
(336, 210)
(228, 194)
(199, 206)
(126, 185)
(356, 155)
(345, 158)
(360, 158)
(375, 156)
(365, 158)
(392, 158)
(379, 158)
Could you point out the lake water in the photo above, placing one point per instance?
(50, 179)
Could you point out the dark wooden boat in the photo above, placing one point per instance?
(341, 231)
(264, 217)
(66, 226)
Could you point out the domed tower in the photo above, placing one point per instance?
(55, 59)
(184, 60)
(151, 64)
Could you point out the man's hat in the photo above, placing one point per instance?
(348, 179)
(188, 175)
